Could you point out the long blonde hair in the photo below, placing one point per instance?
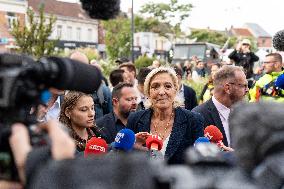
(172, 73)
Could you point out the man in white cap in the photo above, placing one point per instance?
(242, 56)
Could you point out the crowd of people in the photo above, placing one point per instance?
(151, 101)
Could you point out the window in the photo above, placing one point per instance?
(11, 17)
(59, 31)
(90, 34)
(78, 34)
(69, 32)
(263, 42)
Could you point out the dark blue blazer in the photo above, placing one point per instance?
(109, 126)
(190, 100)
(211, 117)
(187, 127)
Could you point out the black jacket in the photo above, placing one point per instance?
(109, 126)
(187, 127)
(246, 60)
(211, 117)
(190, 100)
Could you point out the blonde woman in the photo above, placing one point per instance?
(177, 127)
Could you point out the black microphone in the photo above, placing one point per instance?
(74, 75)
(57, 72)
(101, 9)
(278, 40)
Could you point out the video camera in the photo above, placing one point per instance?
(23, 83)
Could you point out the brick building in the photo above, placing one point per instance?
(10, 11)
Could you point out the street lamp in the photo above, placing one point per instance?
(132, 32)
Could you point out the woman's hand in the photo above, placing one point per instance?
(227, 149)
(141, 140)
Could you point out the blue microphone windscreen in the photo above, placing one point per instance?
(45, 96)
(280, 81)
(202, 140)
(124, 140)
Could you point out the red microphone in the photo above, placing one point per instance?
(214, 135)
(154, 142)
(95, 146)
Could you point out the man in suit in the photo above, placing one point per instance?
(186, 94)
(124, 100)
(230, 87)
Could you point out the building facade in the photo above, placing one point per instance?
(73, 27)
(10, 11)
(151, 43)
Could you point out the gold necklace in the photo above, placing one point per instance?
(165, 129)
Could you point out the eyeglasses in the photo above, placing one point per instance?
(268, 62)
(240, 85)
(245, 44)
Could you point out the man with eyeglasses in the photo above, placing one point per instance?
(242, 56)
(265, 88)
(230, 87)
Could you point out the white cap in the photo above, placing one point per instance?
(246, 41)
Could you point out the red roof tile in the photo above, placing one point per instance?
(54, 7)
(241, 32)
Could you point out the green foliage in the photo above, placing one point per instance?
(143, 61)
(197, 86)
(32, 38)
(118, 37)
(172, 13)
(92, 54)
(204, 35)
(151, 25)
(107, 67)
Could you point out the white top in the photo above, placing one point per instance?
(180, 96)
(165, 144)
(224, 113)
(53, 112)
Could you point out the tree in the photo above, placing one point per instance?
(117, 37)
(151, 25)
(32, 38)
(204, 35)
(172, 13)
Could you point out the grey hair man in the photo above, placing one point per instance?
(230, 87)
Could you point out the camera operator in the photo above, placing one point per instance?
(27, 160)
(257, 132)
(242, 56)
(40, 170)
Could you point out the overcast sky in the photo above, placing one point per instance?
(221, 14)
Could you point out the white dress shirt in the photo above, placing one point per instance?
(224, 113)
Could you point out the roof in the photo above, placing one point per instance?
(241, 32)
(256, 30)
(59, 8)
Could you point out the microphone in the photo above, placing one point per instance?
(95, 146)
(154, 143)
(101, 9)
(90, 76)
(57, 72)
(124, 140)
(278, 40)
(201, 140)
(214, 135)
(280, 82)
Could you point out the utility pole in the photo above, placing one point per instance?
(132, 33)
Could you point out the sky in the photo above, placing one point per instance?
(221, 14)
